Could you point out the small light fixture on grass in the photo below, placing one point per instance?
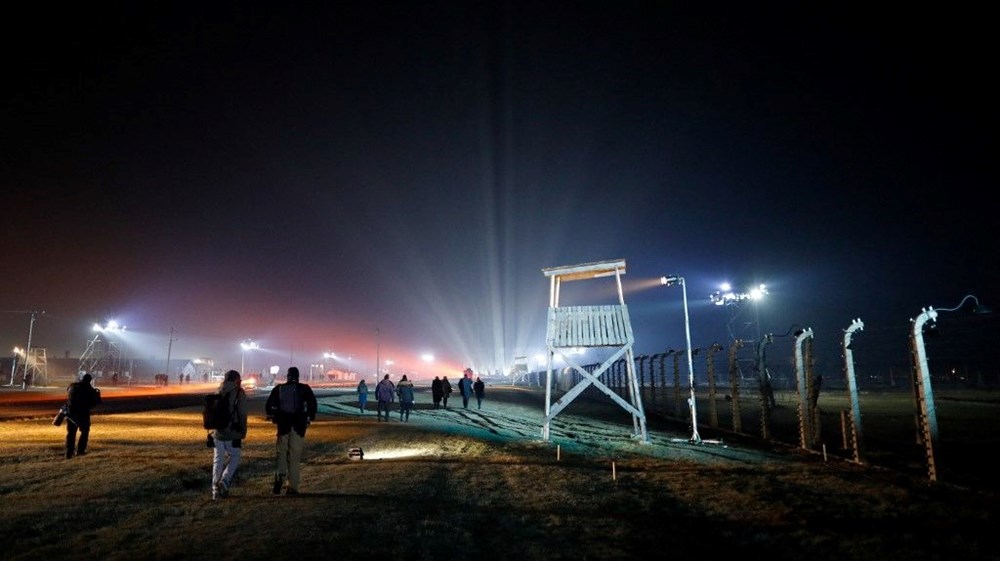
(356, 454)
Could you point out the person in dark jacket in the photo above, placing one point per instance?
(81, 397)
(385, 394)
(229, 441)
(405, 392)
(479, 388)
(291, 406)
(436, 392)
(465, 387)
(445, 390)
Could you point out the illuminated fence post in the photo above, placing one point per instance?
(853, 432)
(713, 410)
(764, 386)
(805, 429)
(923, 393)
(660, 359)
(927, 428)
(734, 385)
(677, 382)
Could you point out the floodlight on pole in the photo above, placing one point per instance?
(102, 352)
(329, 355)
(246, 345)
(13, 368)
(670, 281)
(726, 296)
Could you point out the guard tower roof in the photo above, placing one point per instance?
(586, 271)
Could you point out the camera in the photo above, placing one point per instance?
(210, 441)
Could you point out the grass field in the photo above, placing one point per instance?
(468, 484)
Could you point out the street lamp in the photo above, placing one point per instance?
(13, 368)
(246, 345)
(670, 281)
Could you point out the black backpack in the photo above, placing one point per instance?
(216, 414)
(290, 399)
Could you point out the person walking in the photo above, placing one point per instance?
(362, 395)
(81, 397)
(479, 388)
(445, 390)
(465, 387)
(436, 392)
(405, 392)
(229, 441)
(385, 393)
(291, 406)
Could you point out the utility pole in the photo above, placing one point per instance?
(378, 348)
(170, 345)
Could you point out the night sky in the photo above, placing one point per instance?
(391, 178)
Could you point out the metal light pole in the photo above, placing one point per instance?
(378, 348)
(13, 367)
(170, 345)
(246, 345)
(669, 281)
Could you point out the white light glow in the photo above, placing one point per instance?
(397, 453)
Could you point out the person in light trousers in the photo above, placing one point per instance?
(229, 441)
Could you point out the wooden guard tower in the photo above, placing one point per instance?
(571, 327)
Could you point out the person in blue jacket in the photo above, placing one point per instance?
(362, 395)
(465, 387)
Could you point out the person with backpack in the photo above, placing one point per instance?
(405, 392)
(81, 397)
(291, 406)
(385, 392)
(232, 406)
